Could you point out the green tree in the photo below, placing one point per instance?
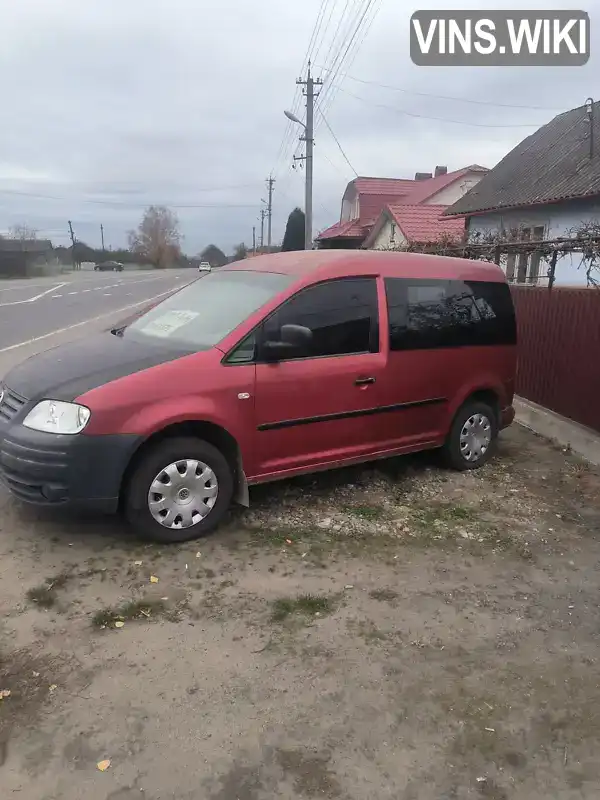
(240, 251)
(293, 238)
(214, 256)
(157, 238)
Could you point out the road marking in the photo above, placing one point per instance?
(88, 321)
(107, 294)
(57, 295)
(86, 290)
(73, 292)
(33, 299)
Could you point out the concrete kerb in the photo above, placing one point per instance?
(583, 441)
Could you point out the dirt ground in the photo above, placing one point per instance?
(393, 632)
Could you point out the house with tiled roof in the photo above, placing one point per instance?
(400, 225)
(546, 187)
(365, 200)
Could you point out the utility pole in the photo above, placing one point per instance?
(102, 236)
(263, 214)
(309, 93)
(270, 182)
(254, 238)
(73, 254)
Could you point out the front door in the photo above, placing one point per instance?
(316, 408)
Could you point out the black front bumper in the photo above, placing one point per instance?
(79, 471)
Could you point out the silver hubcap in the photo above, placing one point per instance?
(183, 494)
(475, 437)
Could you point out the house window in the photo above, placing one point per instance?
(393, 233)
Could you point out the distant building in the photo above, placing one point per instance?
(22, 258)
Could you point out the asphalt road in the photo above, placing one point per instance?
(36, 311)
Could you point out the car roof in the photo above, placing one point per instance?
(321, 264)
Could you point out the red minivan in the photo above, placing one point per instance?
(267, 368)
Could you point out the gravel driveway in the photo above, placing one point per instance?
(396, 632)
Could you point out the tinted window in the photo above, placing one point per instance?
(434, 314)
(342, 316)
(205, 311)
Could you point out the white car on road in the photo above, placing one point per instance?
(204, 267)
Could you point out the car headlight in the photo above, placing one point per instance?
(56, 416)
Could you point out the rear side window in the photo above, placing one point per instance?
(429, 314)
(342, 315)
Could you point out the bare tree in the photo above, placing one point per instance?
(157, 238)
(22, 231)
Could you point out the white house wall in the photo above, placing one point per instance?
(450, 194)
(349, 205)
(557, 219)
(384, 240)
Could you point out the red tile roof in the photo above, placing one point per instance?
(421, 223)
(376, 193)
(352, 229)
(383, 185)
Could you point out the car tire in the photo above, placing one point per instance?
(153, 465)
(474, 422)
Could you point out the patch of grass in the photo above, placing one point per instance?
(45, 595)
(132, 610)
(364, 511)
(445, 514)
(383, 595)
(307, 605)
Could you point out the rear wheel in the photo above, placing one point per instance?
(180, 490)
(472, 438)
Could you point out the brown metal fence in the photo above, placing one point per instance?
(559, 350)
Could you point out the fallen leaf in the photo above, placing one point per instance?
(52, 688)
(119, 624)
(198, 554)
(138, 563)
(164, 598)
(103, 765)
(288, 541)
(4, 693)
(153, 579)
(36, 674)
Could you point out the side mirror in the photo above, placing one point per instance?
(294, 341)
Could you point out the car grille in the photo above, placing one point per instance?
(10, 405)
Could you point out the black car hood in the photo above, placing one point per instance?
(67, 371)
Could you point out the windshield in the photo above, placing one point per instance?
(203, 313)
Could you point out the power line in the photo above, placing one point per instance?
(439, 119)
(288, 134)
(140, 204)
(337, 141)
(347, 42)
(447, 97)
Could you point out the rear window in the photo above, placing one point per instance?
(207, 310)
(429, 314)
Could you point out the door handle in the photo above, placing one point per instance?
(363, 381)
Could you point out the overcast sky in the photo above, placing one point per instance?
(110, 105)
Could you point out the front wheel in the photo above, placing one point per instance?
(472, 437)
(180, 489)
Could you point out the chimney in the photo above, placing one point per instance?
(440, 171)
(422, 176)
